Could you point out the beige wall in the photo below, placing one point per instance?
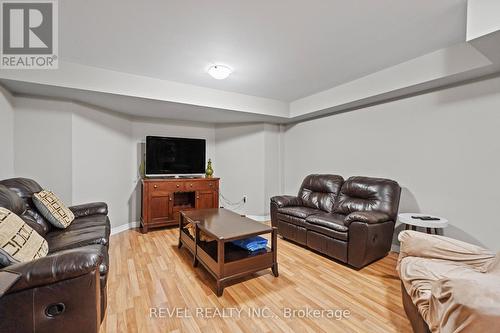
(6, 134)
(102, 161)
(442, 147)
(272, 164)
(239, 164)
(88, 154)
(42, 144)
(248, 164)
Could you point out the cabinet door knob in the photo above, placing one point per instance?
(170, 198)
(197, 197)
(191, 185)
(177, 185)
(155, 186)
(210, 184)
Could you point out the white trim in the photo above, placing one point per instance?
(260, 218)
(124, 227)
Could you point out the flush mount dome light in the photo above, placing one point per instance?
(219, 72)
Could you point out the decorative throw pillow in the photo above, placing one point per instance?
(53, 209)
(18, 241)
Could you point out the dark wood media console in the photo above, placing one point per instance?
(163, 199)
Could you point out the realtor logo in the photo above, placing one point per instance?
(29, 34)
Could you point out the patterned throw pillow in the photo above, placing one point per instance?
(53, 209)
(18, 241)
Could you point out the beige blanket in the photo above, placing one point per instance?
(455, 285)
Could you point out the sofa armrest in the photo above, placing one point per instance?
(286, 200)
(370, 217)
(418, 244)
(94, 208)
(368, 242)
(55, 267)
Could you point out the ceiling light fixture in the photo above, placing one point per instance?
(219, 72)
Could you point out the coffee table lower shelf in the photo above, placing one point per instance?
(226, 261)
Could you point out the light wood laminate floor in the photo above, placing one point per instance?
(148, 271)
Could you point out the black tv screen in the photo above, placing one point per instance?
(168, 156)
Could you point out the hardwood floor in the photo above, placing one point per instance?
(148, 271)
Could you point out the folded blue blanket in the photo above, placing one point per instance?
(251, 244)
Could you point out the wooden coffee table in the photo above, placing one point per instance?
(220, 257)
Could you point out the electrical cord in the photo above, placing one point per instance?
(237, 204)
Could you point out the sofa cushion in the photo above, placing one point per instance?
(10, 200)
(320, 191)
(53, 209)
(360, 194)
(328, 231)
(301, 212)
(83, 231)
(331, 221)
(25, 188)
(292, 220)
(18, 241)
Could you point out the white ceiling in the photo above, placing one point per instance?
(279, 49)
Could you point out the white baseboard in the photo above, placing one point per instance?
(124, 227)
(260, 218)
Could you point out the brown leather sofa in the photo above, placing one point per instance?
(66, 290)
(351, 221)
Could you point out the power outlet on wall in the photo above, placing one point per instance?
(245, 198)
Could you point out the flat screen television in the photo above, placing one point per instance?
(174, 156)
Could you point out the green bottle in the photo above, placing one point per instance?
(209, 172)
(142, 168)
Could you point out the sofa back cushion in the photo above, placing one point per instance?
(320, 191)
(25, 188)
(11, 201)
(369, 194)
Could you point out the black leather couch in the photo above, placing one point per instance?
(66, 290)
(351, 221)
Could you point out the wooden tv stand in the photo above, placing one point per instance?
(164, 198)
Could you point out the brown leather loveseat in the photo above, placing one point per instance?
(351, 221)
(66, 290)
